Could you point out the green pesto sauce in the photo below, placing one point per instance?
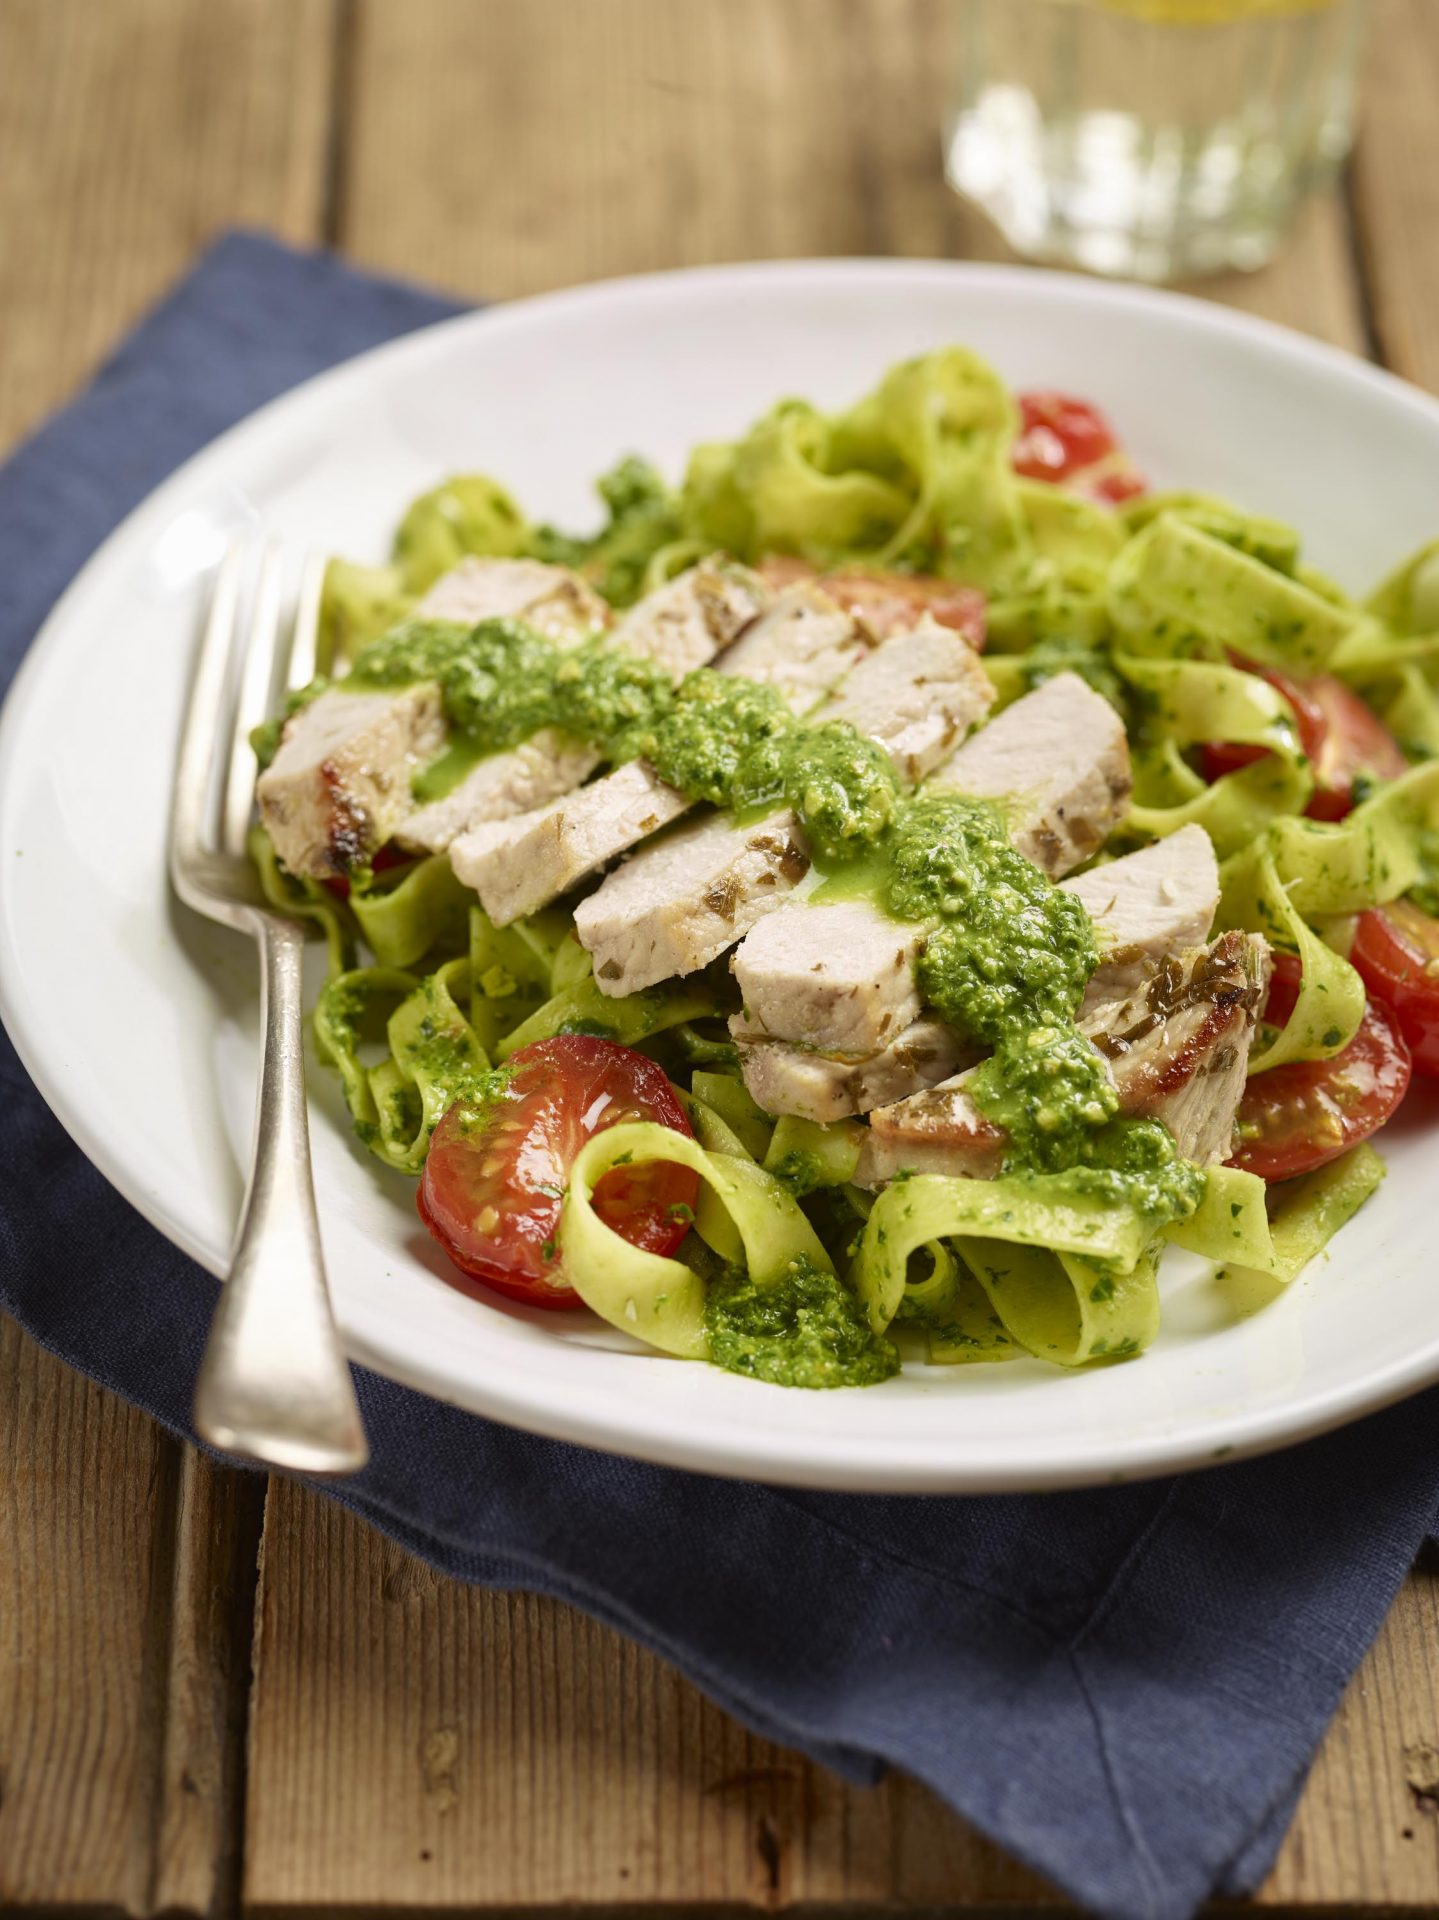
(1009, 955)
(1008, 965)
(803, 1173)
(805, 1330)
(716, 737)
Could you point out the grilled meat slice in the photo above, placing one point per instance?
(1177, 1049)
(825, 1086)
(683, 625)
(339, 786)
(911, 695)
(519, 865)
(691, 895)
(1059, 759)
(340, 783)
(1146, 906)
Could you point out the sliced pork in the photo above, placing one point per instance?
(681, 626)
(841, 978)
(552, 600)
(519, 865)
(1059, 759)
(913, 696)
(1145, 906)
(692, 895)
(824, 1087)
(1177, 1050)
(340, 783)
(339, 786)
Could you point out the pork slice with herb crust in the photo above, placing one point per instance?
(828, 1086)
(1177, 1051)
(339, 786)
(913, 696)
(1145, 906)
(1178, 1046)
(692, 618)
(842, 977)
(519, 865)
(340, 783)
(682, 625)
(1058, 759)
(691, 895)
(552, 600)
(839, 976)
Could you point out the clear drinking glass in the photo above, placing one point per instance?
(1150, 138)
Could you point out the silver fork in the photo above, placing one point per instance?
(274, 1383)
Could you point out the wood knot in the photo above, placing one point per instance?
(1421, 1775)
(439, 1754)
(404, 1577)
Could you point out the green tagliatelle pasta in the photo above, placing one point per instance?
(1301, 870)
(1187, 702)
(425, 909)
(433, 1059)
(1173, 608)
(303, 900)
(1178, 589)
(661, 1300)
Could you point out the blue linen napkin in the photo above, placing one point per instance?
(1122, 1687)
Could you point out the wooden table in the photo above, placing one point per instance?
(217, 1696)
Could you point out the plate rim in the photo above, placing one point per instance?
(855, 1464)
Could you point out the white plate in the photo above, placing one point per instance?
(138, 1021)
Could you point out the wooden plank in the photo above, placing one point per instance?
(198, 1784)
(130, 134)
(83, 1502)
(415, 1742)
(419, 1743)
(1396, 186)
(125, 1597)
(501, 150)
(1367, 1829)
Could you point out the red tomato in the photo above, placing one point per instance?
(1396, 951)
(1339, 736)
(1119, 483)
(1058, 436)
(888, 602)
(1066, 440)
(1295, 1118)
(1355, 742)
(491, 1189)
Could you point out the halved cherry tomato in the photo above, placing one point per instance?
(1396, 951)
(1295, 1118)
(1058, 435)
(887, 602)
(1070, 442)
(492, 1186)
(1339, 736)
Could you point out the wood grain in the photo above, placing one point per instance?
(469, 1750)
(132, 132)
(1396, 186)
(125, 1596)
(82, 1634)
(422, 1743)
(413, 1742)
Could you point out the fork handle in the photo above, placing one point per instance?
(274, 1384)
